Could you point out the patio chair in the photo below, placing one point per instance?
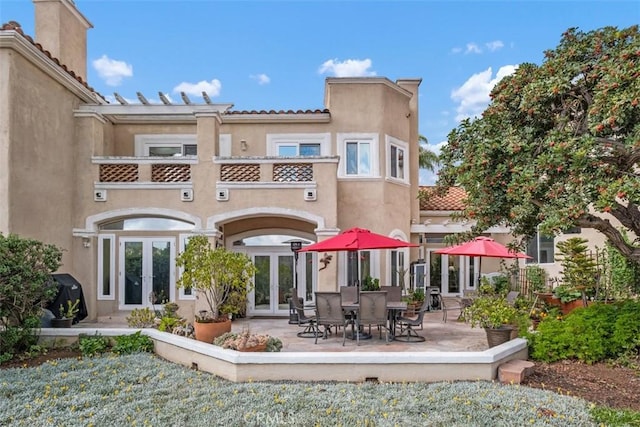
(349, 294)
(512, 296)
(329, 313)
(394, 293)
(408, 324)
(309, 323)
(373, 311)
(459, 304)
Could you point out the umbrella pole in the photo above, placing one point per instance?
(358, 277)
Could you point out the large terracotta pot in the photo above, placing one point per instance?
(568, 307)
(549, 298)
(207, 331)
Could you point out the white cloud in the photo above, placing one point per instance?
(494, 45)
(347, 68)
(472, 48)
(212, 88)
(262, 79)
(475, 48)
(473, 95)
(112, 71)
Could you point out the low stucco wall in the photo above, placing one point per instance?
(318, 366)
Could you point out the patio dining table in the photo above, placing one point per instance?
(393, 309)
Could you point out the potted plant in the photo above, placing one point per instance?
(217, 275)
(248, 342)
(495, 315)
(570, 298)
(579, 273)
(537, 314)
(66, 314)
(370, 284)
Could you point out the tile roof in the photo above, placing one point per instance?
(15, 26)
(452, 201)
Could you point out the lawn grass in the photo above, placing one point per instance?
(142, 389)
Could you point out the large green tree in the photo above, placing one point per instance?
(559, 144)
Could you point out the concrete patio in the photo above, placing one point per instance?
(451, 351)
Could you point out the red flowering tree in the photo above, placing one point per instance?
(559, 144)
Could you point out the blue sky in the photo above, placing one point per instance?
(264, 55)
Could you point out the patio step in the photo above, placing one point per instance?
(514, 371)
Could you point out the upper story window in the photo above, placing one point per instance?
(541, 249)
(299, 145)
(397, 156)
(359, 155)
(166, 145)
(298, 150)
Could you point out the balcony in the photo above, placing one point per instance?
(150, 172)
(242, 172)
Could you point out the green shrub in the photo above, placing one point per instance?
(25, 277)
(25, 288)
(134, 343)
(92, 345)
(141, 318)
(167, 324)
(16, 339)
(591, 334)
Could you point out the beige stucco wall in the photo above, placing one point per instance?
(42, 161)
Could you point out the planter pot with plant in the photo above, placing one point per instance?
(248, 342)
(217, 275)
(493, 313)
(579, 273)
(66, 314)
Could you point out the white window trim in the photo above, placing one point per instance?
(402, 145)
(275, 139)
(398, 234)
(372, 139)
(144, 141)
(182, 240)
(112, 267)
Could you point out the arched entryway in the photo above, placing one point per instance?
(265, 235)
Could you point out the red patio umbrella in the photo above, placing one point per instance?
(482, 246)
(357, 239)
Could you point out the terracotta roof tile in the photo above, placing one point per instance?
(15, 26)
(452, 201)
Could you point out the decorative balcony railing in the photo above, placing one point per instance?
(117, 172)
(136, 170)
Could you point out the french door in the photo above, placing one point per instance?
(453, 274)
(273, 281)
(147, 271)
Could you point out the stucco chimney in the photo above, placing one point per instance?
(62, 30)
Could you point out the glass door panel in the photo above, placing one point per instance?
(262, 290)
(285, 281)
(453, 270)
(161, 267)
(133, 273)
